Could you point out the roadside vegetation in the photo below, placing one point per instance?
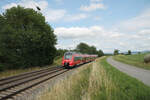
(135, 59)
(12, 72)
(97, 81)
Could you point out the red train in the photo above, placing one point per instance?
(71, 59)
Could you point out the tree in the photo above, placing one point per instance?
(129, 52)
(60, 52)
(100, 53)
(86, 49)
(92, 50)
(25, 39)
(116, 52)
(82, 48)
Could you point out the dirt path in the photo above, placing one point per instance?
(140, 74)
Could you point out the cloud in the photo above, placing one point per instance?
(76, 17)
(51, 15)
(9, 6)
(92, 7)
(137, 23)
(104, 39)
(85, 32)
(78, 32)
(28, 4)
(144, 32)
(95, 0)
(133, 33)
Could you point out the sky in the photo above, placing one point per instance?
(106, 24)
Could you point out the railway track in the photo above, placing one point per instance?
(11, 86)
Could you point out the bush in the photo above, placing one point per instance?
(147, 58)
(129, 52)
(1, 67)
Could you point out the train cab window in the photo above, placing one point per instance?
(77, 58)
(68, 56)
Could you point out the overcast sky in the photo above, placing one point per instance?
(106, 24)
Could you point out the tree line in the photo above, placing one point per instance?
(27, 40)
(116, 52)
(83, 48)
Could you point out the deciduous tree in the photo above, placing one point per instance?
(26, 39)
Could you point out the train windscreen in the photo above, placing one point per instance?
(68, 56)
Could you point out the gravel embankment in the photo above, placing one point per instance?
(140, 74)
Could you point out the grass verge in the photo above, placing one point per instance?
(98, 81)
(136, 60)
(7, 73)
(125, 87)
(70, 89)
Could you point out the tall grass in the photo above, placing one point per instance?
(136, 60)
(69, 89)
(100, 85)
(98, 81)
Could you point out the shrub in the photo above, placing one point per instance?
(1, 67)
(147, 58)
(129, 52)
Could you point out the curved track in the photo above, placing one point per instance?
(14, 85)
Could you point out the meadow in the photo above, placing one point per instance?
(135, 60)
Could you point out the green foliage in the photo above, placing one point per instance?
(25, 39)
(116, 52)
(60, 52)
(81, 86)
(86, 49)
(83, 48)
(129, 52)
(147, 58)
(100, 53)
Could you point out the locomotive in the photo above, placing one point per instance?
(71, 59)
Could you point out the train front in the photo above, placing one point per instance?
(67, 61)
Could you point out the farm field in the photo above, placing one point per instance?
(98, 81)
(13, 72)
(136, 60)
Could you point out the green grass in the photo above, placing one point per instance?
(81, 86)
(98, 81)
(6, 73)
(136, 60)
(126, 87)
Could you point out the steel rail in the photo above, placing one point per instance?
(21, 77)
(10, 77)
(30, 86)
(5, 87)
